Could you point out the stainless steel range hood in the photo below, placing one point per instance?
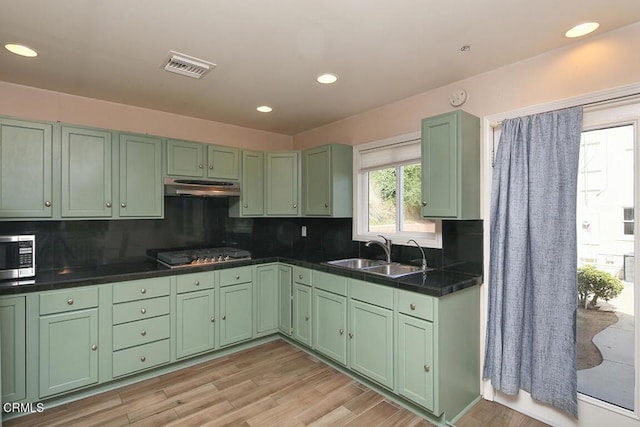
(200, 187)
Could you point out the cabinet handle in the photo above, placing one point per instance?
(300, 276)
(424, 203)
(143, 333)
(70, 301)
(213, 319)
(237, 277)
(306, 318)
(224, 317)
(412, 306)
(94, 347)
(108, 204)
(197, 283)
(200, 166)
(143, 311)
(350, 335)
(341, 331)
(210, 167)
(246, 206)
(427, 368)
(143, 290)
(123, 204)
(326, 205)
(47, 204)
(143, 359)
(295, 206)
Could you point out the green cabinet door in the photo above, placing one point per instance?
(316, 181)
(302, 320)
(68, 351)
(451, 166)
(236, 319)
(223, 162)
(195, 322)
(252, 196)
(12, 349)
(141, 192)
(282, 183)
(86, 173)
(25, 169)
(371, 342)
(330, 325)
(185, 158)
(415, 364)
(266, 299)
(284, 299)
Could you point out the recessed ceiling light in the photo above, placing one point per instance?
(21, 50)
(327, 78)
(264, 109)
(582, 30)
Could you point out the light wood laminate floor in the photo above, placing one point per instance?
(274, 384)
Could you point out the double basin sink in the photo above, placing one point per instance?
(392, 270)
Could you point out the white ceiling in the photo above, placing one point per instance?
(270, 52)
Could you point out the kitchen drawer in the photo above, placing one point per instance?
(195, 282)
(302, 275)
(416, 305)
(68, 300)
(330, 282)
(141, 357)
(141, 332)
(233, 276)
(379, 295)
(141, 289)
(138, 310)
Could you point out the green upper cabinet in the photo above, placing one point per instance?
(197, 160)
(185, 158)
(25, 169)
(223, 162)
(141, 192)
(12, 346)
(327, 181)
(282, 189)
(451, 166)
(86, 173)
(251, 200)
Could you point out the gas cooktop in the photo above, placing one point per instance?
(199, 257)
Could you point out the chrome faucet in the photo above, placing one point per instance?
(386, 246)
(424, 259)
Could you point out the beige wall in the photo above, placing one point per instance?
(31, 103)
(596, 63)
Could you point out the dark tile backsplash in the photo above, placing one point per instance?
(197, 222)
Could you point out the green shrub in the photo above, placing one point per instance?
(596, 284)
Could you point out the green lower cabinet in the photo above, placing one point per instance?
(371, 342)
(68, 351)
(330, 325)
(284, 299)
(415, 364)
(236, 319)
(12, 347)
(302, 314)
(266, 300)
(195, 323)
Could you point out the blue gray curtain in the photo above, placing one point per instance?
(531, 325)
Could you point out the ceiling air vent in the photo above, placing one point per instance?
(186, 65)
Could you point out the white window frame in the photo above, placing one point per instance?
(361, 198)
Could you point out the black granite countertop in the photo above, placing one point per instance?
(436, 283)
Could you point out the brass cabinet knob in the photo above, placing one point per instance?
(143, 333)
(47, 204)
(123, 204)
(108, 204)
(143, 311)
(94, 347)
(143, 359)
(412, 306)
(70, 301)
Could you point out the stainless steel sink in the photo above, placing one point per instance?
(393, 270)
(356, 263)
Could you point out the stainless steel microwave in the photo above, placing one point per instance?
(17, 256)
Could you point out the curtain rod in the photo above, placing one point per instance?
(586, 104)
